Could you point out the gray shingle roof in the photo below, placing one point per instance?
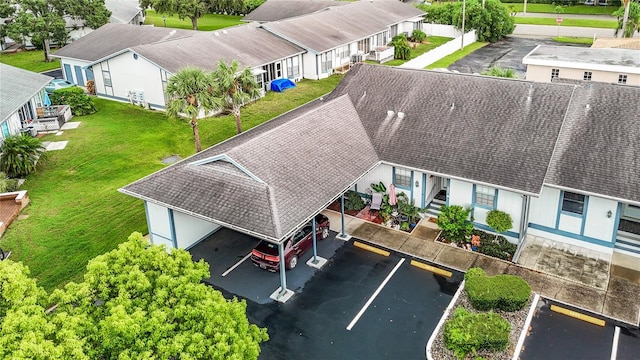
(122, 11)
(18, 86)
(599, 150)
(337, 26)
(111, 38)
(489, 130)
(292, 160)
(273, 10)
(250, 45)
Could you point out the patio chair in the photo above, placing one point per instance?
(376, 202)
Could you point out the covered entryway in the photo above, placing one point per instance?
(628, 235)
(436, 194)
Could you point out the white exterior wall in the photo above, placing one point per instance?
(508, 202)
(597, 224)
(159, 225)
(129, 74)
(73, 63)
(543, 74)
(190, 230)
(543, 209)
(310, 66)
(460, 193)
(382, 173)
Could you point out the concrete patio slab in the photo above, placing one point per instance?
(625, 273)
(623, 288)
(365, 231)
(392, 239)
(582, 296)
(59, 133)
(421, 248)
(620, 308)
(70, 125)
(456, 258)
(423, 231)
(56, 145)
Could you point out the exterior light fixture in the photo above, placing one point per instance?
(609, 214)
(417, 183)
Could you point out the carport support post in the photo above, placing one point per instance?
(343, 235)
(283, 276)
(314, 237)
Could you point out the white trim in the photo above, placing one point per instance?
(584, 192)
(228, 159)
(582, 65)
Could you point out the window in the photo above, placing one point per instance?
(394, 30)
(79, 78)
(402, 178)
(293, 70)
(622, 79)
(418, 25)
(325, 62)
(573, 203)
(555, 73)
(106, 75)
(363, 46)
(587, 76)
(343, 52)
(485, 196)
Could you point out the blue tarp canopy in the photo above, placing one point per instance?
(280, 85)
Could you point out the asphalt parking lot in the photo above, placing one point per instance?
(360, 305)
(505, 54)
(556, 336)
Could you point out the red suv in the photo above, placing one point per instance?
(265, 254)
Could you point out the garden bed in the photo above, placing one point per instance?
(489, 245)
(517, 319)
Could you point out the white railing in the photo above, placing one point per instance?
(381, 54)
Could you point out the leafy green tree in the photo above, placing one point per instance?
(140, 301)
(401, 49)
(628, 19)
(193, 9)
(497, 71)
(19, 155)
(418, 36)
(499, 221)
(191, 91)
(235, 88)
(43, 20)
(492, 22)
(26, 330)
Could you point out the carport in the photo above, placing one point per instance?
(267, 182)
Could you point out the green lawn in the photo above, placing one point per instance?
(206, 23)
(32, 60)
(448, 60)
(432, 42)
(574, 40)
(76, 212)
(575, 9)
(603, 24)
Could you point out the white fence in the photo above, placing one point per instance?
(441, 51)
(441, 30)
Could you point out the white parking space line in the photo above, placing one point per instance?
(614, 348)
(366, 305)
(235, 265)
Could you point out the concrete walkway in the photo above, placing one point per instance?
(620, 299)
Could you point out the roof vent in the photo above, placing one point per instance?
(453, 106)
(400, 115)
(172, 32)
(389, 113)
(587, 107)
(224, 32)
(216, 33)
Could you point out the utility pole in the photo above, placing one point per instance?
(464, 3)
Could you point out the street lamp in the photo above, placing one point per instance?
(164, 20)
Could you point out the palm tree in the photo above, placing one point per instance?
(191, 92)
(628, 19)
(235, 88)
(19, 155)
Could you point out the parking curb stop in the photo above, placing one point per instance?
(578, 315)
(432, 269)
(371, 248)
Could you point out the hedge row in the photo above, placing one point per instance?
(505, 292)
(467, 332)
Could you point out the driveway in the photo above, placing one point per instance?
(505, 54)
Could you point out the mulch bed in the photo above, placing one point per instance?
(363, 214)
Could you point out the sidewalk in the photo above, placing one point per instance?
(620, 300)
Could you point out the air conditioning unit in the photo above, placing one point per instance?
(357, 58)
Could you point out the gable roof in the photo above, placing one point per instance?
(287, 180)
(489, 130)
(249, 44)
(274, 10)
(336, 26)
(112, 38)
(17, 86)
(623, 60)
(122, 11)
(598, 149)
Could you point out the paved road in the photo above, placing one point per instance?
(552, 31)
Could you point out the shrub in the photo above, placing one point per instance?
(19, 155)
(504, 292)
(402, 51)
(467, 332)
(80, 103)
(500, 221)
(353, 201)
(453, 220)
(418, 36)
(6, 184)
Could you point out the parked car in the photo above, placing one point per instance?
(56, 84)
(265, 254)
